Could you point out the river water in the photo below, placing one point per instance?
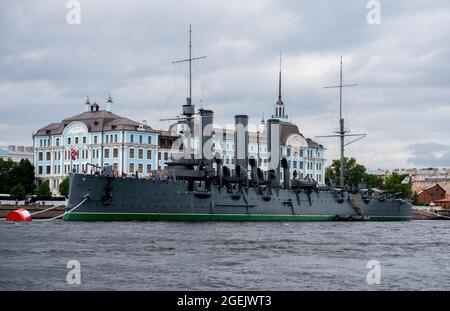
(412, 255)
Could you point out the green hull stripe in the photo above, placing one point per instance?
(212, 217)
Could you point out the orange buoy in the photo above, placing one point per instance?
(20, 214)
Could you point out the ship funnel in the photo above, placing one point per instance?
(219, 164)
(241, 142)
(273, 146)
(286, 173)
(254, 173)
(206, 137)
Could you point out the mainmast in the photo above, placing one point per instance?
(342, 133)
(189, 108)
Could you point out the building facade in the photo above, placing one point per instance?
(92, 140)
(16, 153)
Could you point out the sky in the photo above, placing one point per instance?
(401, 65)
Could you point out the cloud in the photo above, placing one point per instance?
(402, 68)
(430, 154)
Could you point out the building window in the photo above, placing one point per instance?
(111, 138)
(132, 138)
(47, 169)
(149, 140)
(149, 154)
(140, 168)
(95, 139)
(141, 153)
(57, 142)
(84, 139)
(140, 139)
(48, 155)
(159, 156)
(106, 139)
(115, 138)
(76, 140)
(288, 152)
(115, 152)
(69, 140)
(301, 165)
(131, 153)
(106, 153)
(166, 156)
(39, 170)
(131, 168)
(149, 168)
(40, 155)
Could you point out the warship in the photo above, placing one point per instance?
(202, 188)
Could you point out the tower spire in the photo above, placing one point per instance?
(279, 84)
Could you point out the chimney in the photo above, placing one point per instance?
(273, 145)
(286, 173)
(241, 141)
(205, 137)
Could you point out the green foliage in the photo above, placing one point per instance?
(43, 191)
(354, 172)
(394, 183)
(6, 168)
(374, 181)
(64, 187)
(23, 172)
(12, 173)
(18, 192)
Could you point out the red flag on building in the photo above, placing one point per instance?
(73, 153)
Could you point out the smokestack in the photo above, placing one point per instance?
(273, 145)
(205, 138)
(254, 171)
(241, 141)
(286, 173)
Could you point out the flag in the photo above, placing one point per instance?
(73, 153)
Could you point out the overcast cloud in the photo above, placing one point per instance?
(402, 67)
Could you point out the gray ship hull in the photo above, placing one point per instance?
(102, 198)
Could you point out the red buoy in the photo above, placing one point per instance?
(20, 214)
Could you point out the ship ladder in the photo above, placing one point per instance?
(356, 204)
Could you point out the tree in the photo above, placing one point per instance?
(395, 184)
(43, 191)
(18, 192)
(374, 181)
(64, 187)
(354, 172)
(6, 181)
(12, 173)
(23, 173)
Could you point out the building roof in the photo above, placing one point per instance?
(287, 129)
(96, 121)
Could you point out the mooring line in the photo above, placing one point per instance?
(65, 213)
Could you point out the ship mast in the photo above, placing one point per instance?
(189, 108)
(342, 132)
